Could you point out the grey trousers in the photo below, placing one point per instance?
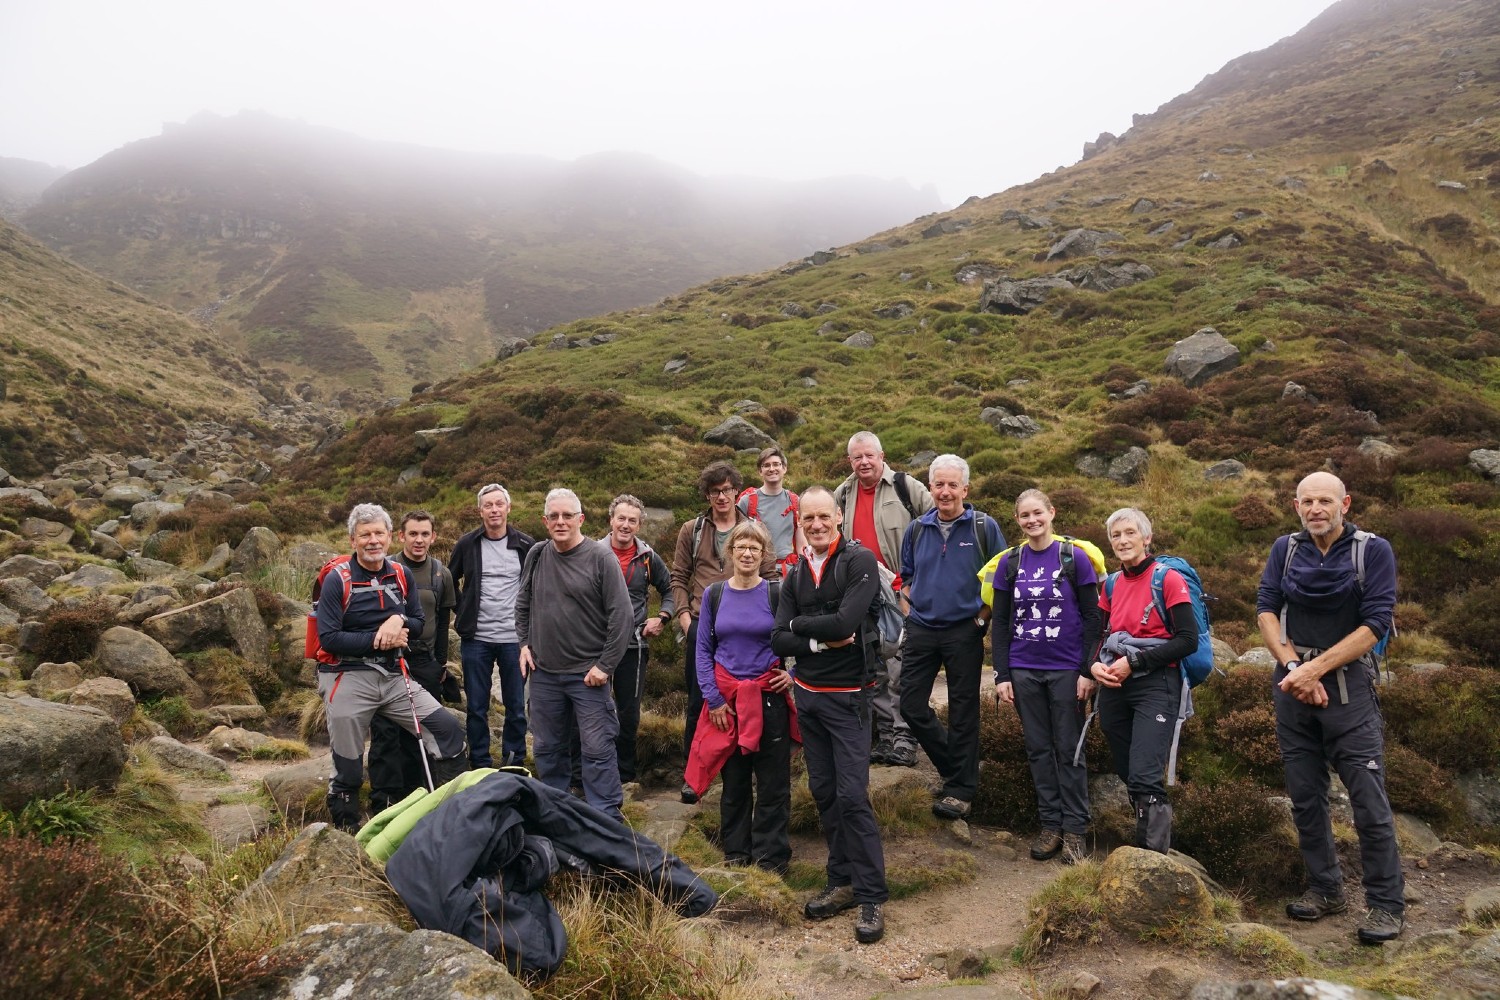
(354, 697)
(1351, 738)
(1051, 722)
(885, 698)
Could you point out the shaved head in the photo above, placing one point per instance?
(1322, 501)
(1322, 481)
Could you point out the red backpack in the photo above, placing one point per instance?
(312, 648)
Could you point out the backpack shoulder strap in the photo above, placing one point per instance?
(1357, 553)
(773, 594)
(1159, 592)
(346, 579)
(711, 599)
(903, 493)
(981, 535)
(1012, 559)
(698, 524)
(1068, 560)
(752, 508)
(793, 504)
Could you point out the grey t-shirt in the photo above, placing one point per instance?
(775, 512)
(498, 582)
(574, 611)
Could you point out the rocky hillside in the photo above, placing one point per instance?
(377, 265)
(22, 183)
(91, 366)
(1328, 258)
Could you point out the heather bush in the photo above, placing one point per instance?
(1250, 736)
(1437, 551)
(71, 629)
(1238, 834)
(1416, 785)
(81, 925)
(1446, 717)
(1471, 621)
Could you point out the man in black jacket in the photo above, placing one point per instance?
(486, 565)
(824, 620)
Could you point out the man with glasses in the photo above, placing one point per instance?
(701, 559)
(573, 619)
(486, 565)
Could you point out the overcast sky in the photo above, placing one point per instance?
(971, 96)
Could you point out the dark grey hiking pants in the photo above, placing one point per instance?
(1350, 738)
(836, 743)
(354, 697)
(1051, 724)
(1139, 719)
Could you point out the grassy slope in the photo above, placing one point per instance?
(1339, 287)
(91, 366)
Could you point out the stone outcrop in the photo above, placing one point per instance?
(185, 758)
(333, 960)
(230, 619)
(1081, 243)
(1198, 358)
(1126, 469)
(293, 786)
(108, 694)
(737, 432)
(39, 571)
(322, 876)
(46, 749)
(256, 551)
(143, 663)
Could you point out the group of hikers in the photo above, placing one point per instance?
(823, 619)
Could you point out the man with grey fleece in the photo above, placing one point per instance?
(573, 621)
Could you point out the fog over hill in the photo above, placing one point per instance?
(376, 265)
(22, 182)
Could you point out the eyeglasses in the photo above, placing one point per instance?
(726, 491)
(748, 548)
(561, 515)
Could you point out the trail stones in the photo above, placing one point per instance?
(737, 432)
(141, 662)
(46, 749)
(1200, 357)
(1281, 989)
(1140, 891)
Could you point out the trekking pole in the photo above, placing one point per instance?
(411, 700)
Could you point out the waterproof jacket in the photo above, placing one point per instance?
(647, 569)
(891, 517)
(476, 867)
(464, 562)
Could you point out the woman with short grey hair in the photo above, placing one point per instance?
(1137, 669)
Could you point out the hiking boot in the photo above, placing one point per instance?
(689, 796)
(949, 807)
(902, 755)
(1380, 926)
(1313, 905)
(833, 900)
(343, 808)
(1046, 845)
(870, 927)
(882, 752)
(1075, 849)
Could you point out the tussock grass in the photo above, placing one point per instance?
(624, 944)
(1270, 953)
(279, 749)
(1065, 911)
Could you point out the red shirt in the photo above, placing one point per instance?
(1132, 609)
(864, 521)
(625, 556)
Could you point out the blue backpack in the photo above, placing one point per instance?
(1197, 665)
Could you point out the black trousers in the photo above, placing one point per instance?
(694, 692)
(755, 812)
(395, 754)
(1139, 719)
(954, 750)
(836, 743)
(628, 686)
(1052, 720)
(1350, 737)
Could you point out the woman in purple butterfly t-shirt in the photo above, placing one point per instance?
(1051, 617)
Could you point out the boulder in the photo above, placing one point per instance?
(147, 511)
(105, 547)
(92, 576)
(291, 787)
(509, 347)
(35, 500)
(124, 496)
(1005, 422)
(1010, 297)
(109, 695)
(1257, 656)
(430, 436)
(1481, 792)
(1200, 357)
(309, 557)
(231, 824)
(1486, 462)
(230, 619)
(1415, 836)
(185, 758)
(675, 366)
(1482, 906)
(737, 432)
(861, 340)
(39, 571)
(420, 965)
(1227, 469)
(1081, 243)
(321, 876)
(47, 749)
(235, 715)
(135, 614)
(231, 742)
(1140, 891)
(1103, 277)
(24, 597)
(49, 678)
(38, 529)
(1129, 468)
(1381, 451)
(142, 568)
(143, 663)
(256, 551)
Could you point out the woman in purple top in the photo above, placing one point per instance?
(745, 699)
(1051, 617)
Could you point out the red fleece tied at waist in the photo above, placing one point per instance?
(713, 748)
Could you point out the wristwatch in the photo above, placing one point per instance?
(980, 621)
(1291, 664)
